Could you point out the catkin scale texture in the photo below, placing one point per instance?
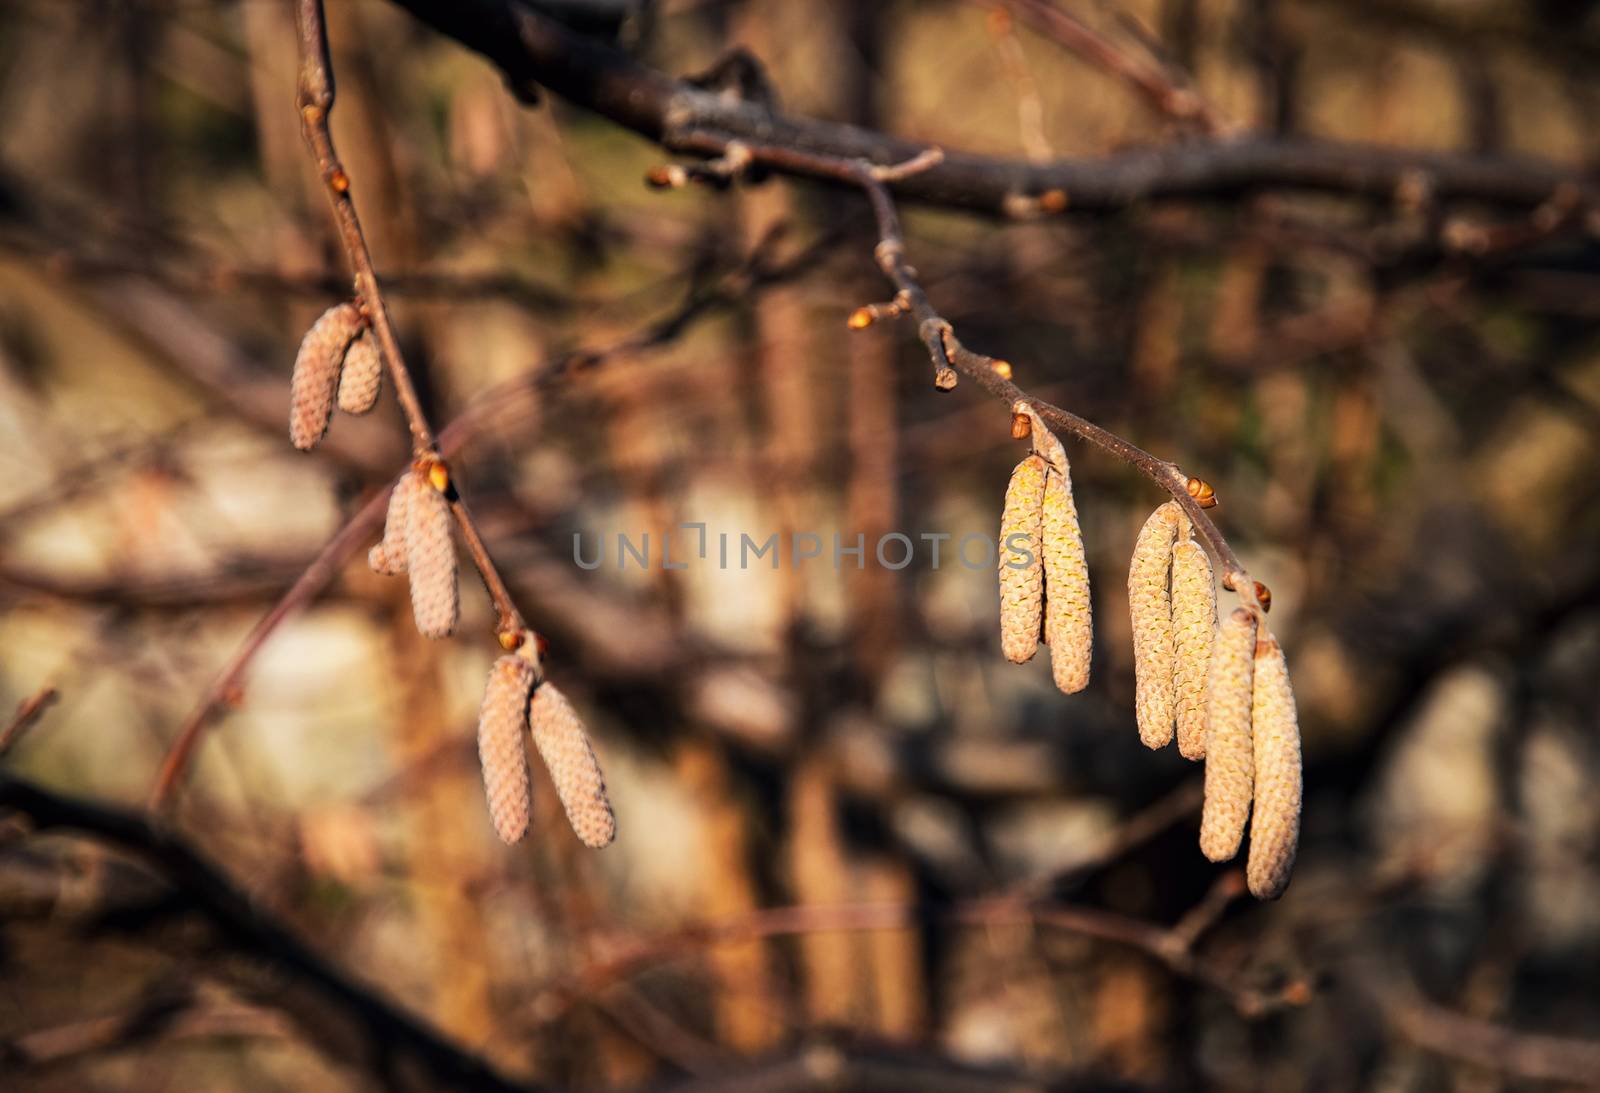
(431, 560)
(564, 746)
(361, 376)
(1230, 756)
(388, 558)
(1151, 612)
(315, 381)
(1069, 618)
(1275, 729)
(1194, 627)
(1022, 586)
(503, 747)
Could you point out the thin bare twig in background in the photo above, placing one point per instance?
(29, 710)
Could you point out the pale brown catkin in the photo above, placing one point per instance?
(388, 557)
(1069, 615)
(1275, 727)
(316, 373)
(1230, 756)
(1022, 585)
(1151, 611)
(564, 746)
(503, 746)
(361, 376)
(431, 560)
(1194, 628)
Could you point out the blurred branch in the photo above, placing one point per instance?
(349, 1021)
(533, 50)
(29, 710)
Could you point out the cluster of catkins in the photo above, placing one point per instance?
(1224, 689)
(339, 361)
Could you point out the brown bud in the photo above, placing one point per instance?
(510, 640)
(1053, 201)
(945, 378)
(339, 181)
(860, 318)
(1021, 426)
(1022, 574)
(431, 559)
(1230, 757)
(1264, 596)
(1275, 727)
(439, 475)
(1001, 369)
(315, 381)
(1151, 611)
(564, 746)
(361, 376)
(502, 747)
(1202, 492)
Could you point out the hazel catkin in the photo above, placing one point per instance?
(1275, 729)
(361, 376)
(1230, 757)
(503, 747)
(1194, 627)
(388, 557)
(1022, 561)
(431, 560)
(1069, 618)
(316, 373)
(564, 746)
(1151, 612)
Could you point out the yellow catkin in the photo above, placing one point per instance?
(388, 558)
(316, 373)
(1194, 627)
(1275, 823)
(564, 746)
(361, 376)
(503, 746)
(1022, 585)
(1151, 611)
(1069, 619)
(431, 560)
(1230, 757)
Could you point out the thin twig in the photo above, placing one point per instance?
(315, 100)
(29, 710)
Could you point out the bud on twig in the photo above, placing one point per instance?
(1022, 586)
(564, 746)
(315, 381)
(1230, 757)
(503, 747)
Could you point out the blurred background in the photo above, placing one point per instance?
(857, 848)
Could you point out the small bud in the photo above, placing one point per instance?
(1053, 201)
(1021, 426)
(1264, 596)
(1001, 369)
(1202, 492)
(510, 640)
(860, 318)
(945, 378)
(339, 181)
(439, 476)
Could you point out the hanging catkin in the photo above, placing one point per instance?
(567, 753)
(431, 560)
(388, 557)
(361, 375)
(316, 373)
(1069, 617)
(1275, 822)
(1230, 758)
(1022, 586)
(1194, 627)
(1152, 624)
(503, 747)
